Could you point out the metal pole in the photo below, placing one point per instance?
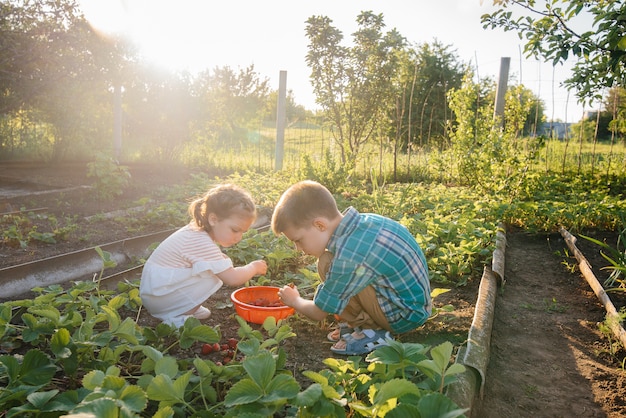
(498, 115)
(117, 120)
(281, 118)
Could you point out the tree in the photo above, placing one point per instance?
(294, 112)
(75, 92)
(29, 38)
(353, 85)
(55, 69)
(551, 32)
(433, 71)
(158, 111)
(229, 102)
(486, 154)
(525, 111)
(615, 105)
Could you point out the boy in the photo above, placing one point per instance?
(374, 274)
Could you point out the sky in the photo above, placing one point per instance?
(203, 34)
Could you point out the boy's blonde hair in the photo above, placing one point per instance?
(301, 203)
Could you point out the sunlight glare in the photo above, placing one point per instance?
(170, 35)
(106, 17)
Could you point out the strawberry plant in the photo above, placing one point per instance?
(281, 256)
(22, 229)
(80, 350)
(79, 355)
(397, 380)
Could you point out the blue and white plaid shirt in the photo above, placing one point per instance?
(370, 249)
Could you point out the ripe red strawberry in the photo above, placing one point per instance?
(207, 349)
(232, 343)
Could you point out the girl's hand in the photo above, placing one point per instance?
(289, 295)
(259, 266)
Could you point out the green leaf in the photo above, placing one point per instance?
(430, 368)
(152, 353)
(11, 367)
(106, 258)
(134, 398)
(398, 353)
(438, 291)
(101, 408)
(436, 405)
(281, 387)
(164, 412)
(395, 388)
(93, 379)
(404, 410)
(59, 342)
(66, 401)
(455, 368)
(309, 396)
(37, 369)
(269, 324)
(126, 330)
(30, 335)
(112, 316)
(243, 392)
(441, 354)
(26, 410)
(5, 314)
(284, 332)
(117, 302)
(113, 383)
(249, 347)
(204, 370)
(167, 366)
(316, 377)
(260, 368)
(48, 312)
(163, 389)
(193, 333)
(40, 399)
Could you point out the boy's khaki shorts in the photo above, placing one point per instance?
(363, 309)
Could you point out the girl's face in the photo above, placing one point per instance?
(229, 231)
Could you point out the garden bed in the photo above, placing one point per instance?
(548, 357)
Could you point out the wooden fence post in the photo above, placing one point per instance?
(280, 120)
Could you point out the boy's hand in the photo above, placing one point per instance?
(289, 294)
(260, 267)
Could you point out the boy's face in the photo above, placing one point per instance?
(311, 240)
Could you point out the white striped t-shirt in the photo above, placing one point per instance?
(185, 248)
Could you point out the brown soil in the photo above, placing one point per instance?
(548, 357)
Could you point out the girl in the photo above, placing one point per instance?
(188, 266)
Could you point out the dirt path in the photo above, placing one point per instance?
(547, 355)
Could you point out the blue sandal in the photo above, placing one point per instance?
(343, 328)
(357, 346)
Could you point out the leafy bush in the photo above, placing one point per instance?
(110, 178)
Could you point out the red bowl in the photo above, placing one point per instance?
(251, 303)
